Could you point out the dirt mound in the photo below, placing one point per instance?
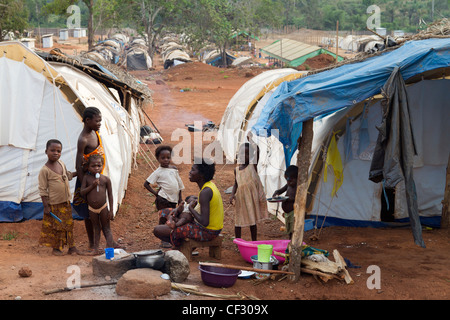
(318, 62)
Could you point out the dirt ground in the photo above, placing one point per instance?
(198, 92)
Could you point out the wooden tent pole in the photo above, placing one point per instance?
(445, 218)
(337, 40)
(303, 164)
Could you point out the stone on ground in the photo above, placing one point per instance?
(143, 283)
(103, 267)
(176, 266)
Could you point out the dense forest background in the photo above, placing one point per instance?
(217, 20)
(407, 15)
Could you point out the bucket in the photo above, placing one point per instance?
(264, 252)
(271, 265)
(109, 253)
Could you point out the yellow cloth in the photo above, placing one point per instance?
(334, 160)
(215, 207)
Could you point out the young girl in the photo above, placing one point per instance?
(248, 191)
(168, 196)
(168, 180)
(57, 223)
(95, 190)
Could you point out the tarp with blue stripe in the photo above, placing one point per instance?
(320, 94)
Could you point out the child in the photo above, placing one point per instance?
(95, 190)
(291, 189)
(167, 179)
(251, 205)
(57, 223)
(181, 215)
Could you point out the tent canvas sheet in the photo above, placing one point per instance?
(358, 202)
(56, 96)
(332, 102)
(350, 85)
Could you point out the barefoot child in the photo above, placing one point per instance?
(288, 206)
(95, 190)
(57, 223)
(251, 205)
(168, 180)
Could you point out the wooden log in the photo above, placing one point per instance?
(327, 267)
(229, 266)
(324, 276)
(303, 164)
(341, 262)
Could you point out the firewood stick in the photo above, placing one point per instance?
(82, 286)
(320, 274)
(229, 266)
(280, 254)
(341, 262)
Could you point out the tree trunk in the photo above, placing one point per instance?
(91, 25)
(445, 218)
(303, 164)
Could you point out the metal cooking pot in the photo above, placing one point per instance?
(149, 259)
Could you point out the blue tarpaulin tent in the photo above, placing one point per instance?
(323, 93)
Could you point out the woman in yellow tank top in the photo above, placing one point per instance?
(209, 221)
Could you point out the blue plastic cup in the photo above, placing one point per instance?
(109, 253)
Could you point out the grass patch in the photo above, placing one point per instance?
(10, 235)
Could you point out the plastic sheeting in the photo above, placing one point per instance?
(359, 199)
(31, 120)
(331, 90)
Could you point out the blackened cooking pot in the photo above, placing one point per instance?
(149, 259)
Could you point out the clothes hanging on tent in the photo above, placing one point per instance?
(334, 159)
(393, 157)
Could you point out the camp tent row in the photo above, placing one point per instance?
(173, 53)
(136, 55)
(122, 51)
(109, 50)
(42, 100)
(215, 58)
(345, 103)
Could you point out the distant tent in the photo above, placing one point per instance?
(244, 34)
(214, 58)
(243, 61)
(294, 53)
(138, 59)
(56, 95)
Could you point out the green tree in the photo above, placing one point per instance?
(216, 21)
(13, 17)
(59, 7)
(151, 18)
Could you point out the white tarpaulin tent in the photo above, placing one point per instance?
(240, 115)
(359, 200)
(40, 101)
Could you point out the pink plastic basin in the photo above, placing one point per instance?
(250, 248)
